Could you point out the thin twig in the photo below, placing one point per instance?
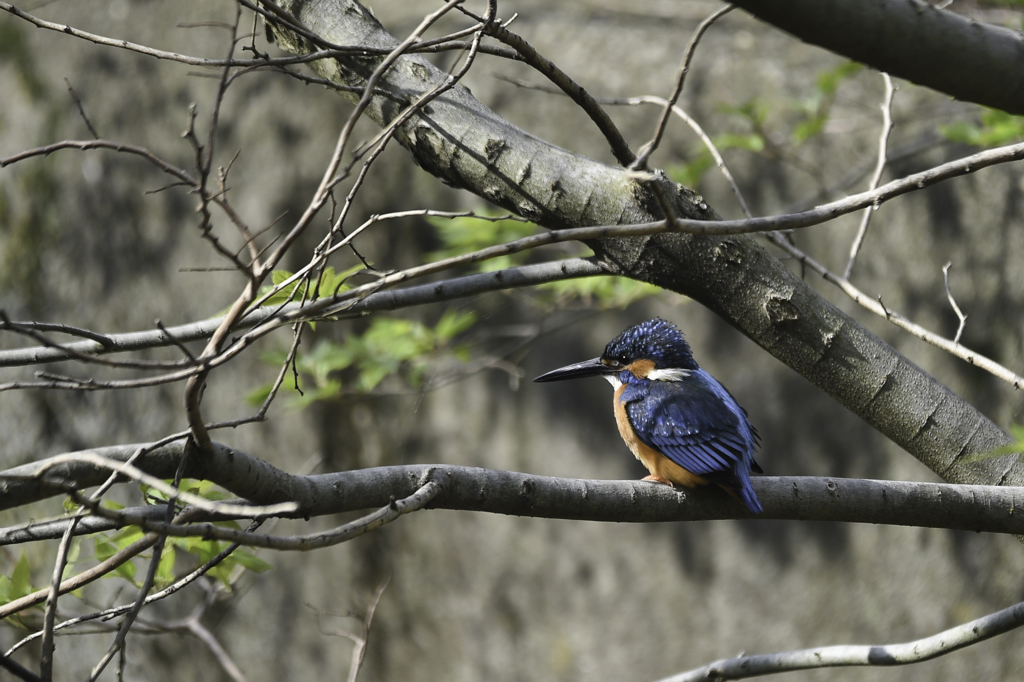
(46, 659)
(684, 68)
(879, 308)
(335, 536)
(457, 287)
(81, 110)
(5, 323)
(579, 95)
(960, 316)
(883, 143)
(118, 645)
(204, 635)
(379, 144)
(95, 573)
(176, 586)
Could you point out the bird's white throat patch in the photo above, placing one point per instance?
(673, 374)
(613, 379)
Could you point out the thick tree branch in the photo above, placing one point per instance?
(979, 508)
(911, 39)
(467, 145)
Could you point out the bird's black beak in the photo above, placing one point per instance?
(588, 368)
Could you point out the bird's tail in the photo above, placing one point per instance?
(739, 487)
(748, 497)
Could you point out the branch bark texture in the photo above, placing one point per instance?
(466, 145)
(978, 508)
(911, 39)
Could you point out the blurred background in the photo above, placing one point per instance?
(87, 240)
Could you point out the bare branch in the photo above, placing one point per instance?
(302, 543)
(53, 529)
(18, 670)
(958, 55)
(223, 658)
(438, 292)
(166, 167)
(981, 508)
(95, 573)
(125, 469)
(59, 328)
(619, 146)
(684, 68)
(877, 307)
(156, 596)
(29, 329)
(919, 650)
(81, 110)
(960, 316)
(883, 142)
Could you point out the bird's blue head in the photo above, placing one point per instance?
(654, 349)
(656, 340)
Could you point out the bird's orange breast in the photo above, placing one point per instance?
(659, 465)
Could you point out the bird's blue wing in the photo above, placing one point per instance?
(697, 425)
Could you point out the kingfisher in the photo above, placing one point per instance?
(682, 425)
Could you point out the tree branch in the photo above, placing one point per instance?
(979, 508)
(919, 650)
(176, 586)
(436, 292)
(467, 145)
(911, 39)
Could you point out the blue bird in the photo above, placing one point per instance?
(683, 425)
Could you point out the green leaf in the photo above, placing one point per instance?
(165, 569)
(250, 561)
(74, 551)
(373, 374)
(329, 391)
(470, 233)
(1016, 448)
(222, 573)
(124, 537)
(126, 571)
(829, 81)
(752, 142)
(997, 128)
(690, 174)
(605, 292)
(809, 127)
(21, 579)
(102, 548)
(258, 395)
(333, 283)
(817, 107)
(453, 323)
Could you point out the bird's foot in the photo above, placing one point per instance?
(658, 479)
